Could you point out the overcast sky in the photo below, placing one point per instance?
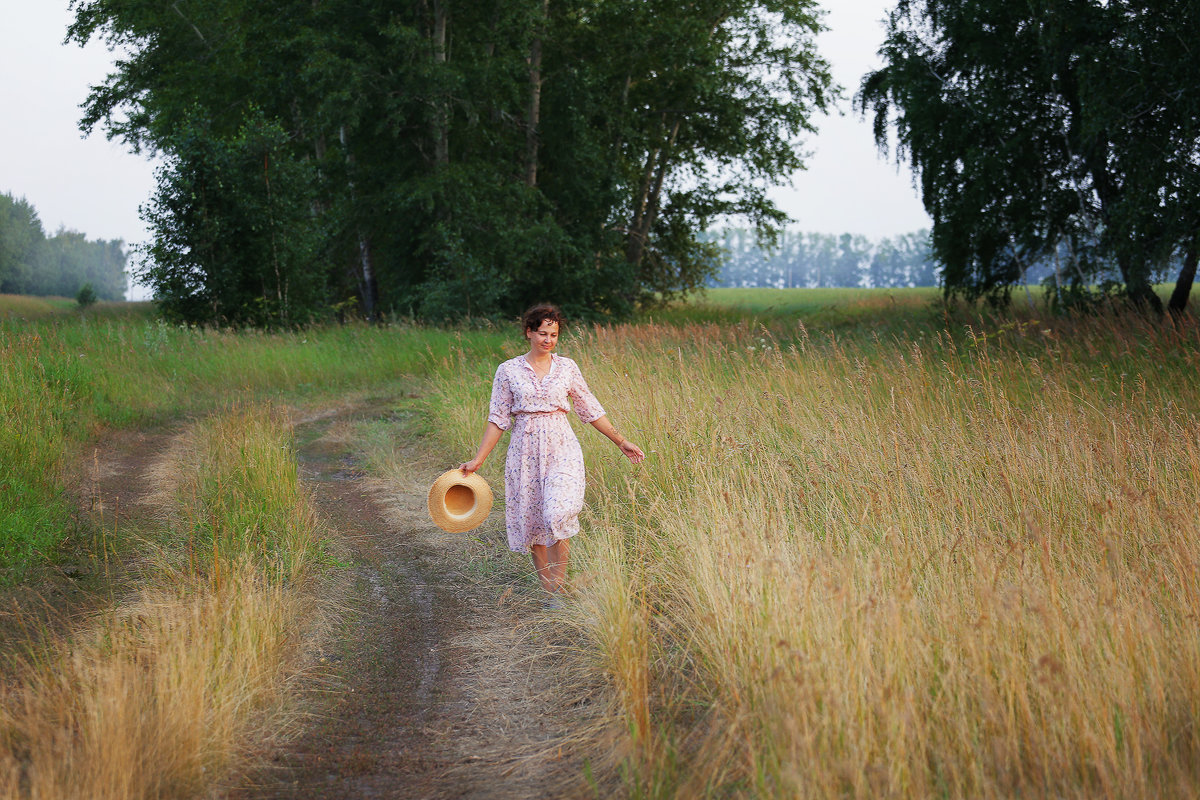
(95, 186)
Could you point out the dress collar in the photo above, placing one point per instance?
(528, 366)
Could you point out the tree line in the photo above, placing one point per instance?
(33, 263)
(1059, 131)
(822, 260)
(443, 158)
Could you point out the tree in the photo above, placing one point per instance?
(453, 157)
(852, 260)
(31, 263)
(239, 203)
(1070, 124)
(86, 296)
(713, 96)
(68, 259)
(21, 238)
(823, 260)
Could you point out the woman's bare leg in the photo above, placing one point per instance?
(541, 564)
(551, 565)
(558, 563)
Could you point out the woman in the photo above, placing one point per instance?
(543, 474)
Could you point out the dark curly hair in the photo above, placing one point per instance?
(542, 312)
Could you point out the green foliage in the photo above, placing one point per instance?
(21, 237)
(86, 296)
(1047, 134)
(235, 239)
(451, 164)
(31, 263)
(69, 258)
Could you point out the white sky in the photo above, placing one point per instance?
(95, 186)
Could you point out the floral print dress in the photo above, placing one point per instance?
(543, 474)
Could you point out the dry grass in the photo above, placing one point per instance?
(959, 563)
(160, 696)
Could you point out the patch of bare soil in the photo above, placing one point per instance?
(433, 683)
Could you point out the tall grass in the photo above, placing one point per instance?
(944, 563)
(33, 431)
(241, 497)
(63, 380)
(161, 695)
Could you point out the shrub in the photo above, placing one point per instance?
(86, 296)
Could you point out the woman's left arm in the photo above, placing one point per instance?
(631, 450)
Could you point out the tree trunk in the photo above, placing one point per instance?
(368, 289)
(535, 99)
(279, 282)
(1137, 285)
(1135, 275)
(1183, 284)
(639, 208)
(441, 133)
(1058, 277)
(647, 213)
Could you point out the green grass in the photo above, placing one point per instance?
(872, 312)
(66, 378)
(821, 306)
(37, 308)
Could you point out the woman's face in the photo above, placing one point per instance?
(544, 338)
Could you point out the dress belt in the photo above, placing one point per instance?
(539, 413)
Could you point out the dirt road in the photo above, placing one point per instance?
(433, 684)
(433, 672)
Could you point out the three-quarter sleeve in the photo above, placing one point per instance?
(586, 405)
(500, 408)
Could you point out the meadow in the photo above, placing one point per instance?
(66, 377)
(958, 558)
(879, 546)
(161, 692)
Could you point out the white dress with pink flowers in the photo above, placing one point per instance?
(543, 474)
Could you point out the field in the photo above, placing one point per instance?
(879, 547)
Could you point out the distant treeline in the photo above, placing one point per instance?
(826, 260)
(822, 260)
(33, 263)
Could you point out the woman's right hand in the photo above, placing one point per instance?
(491, 435)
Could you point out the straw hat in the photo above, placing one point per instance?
(459, 502)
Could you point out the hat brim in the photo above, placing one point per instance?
(458, 502)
